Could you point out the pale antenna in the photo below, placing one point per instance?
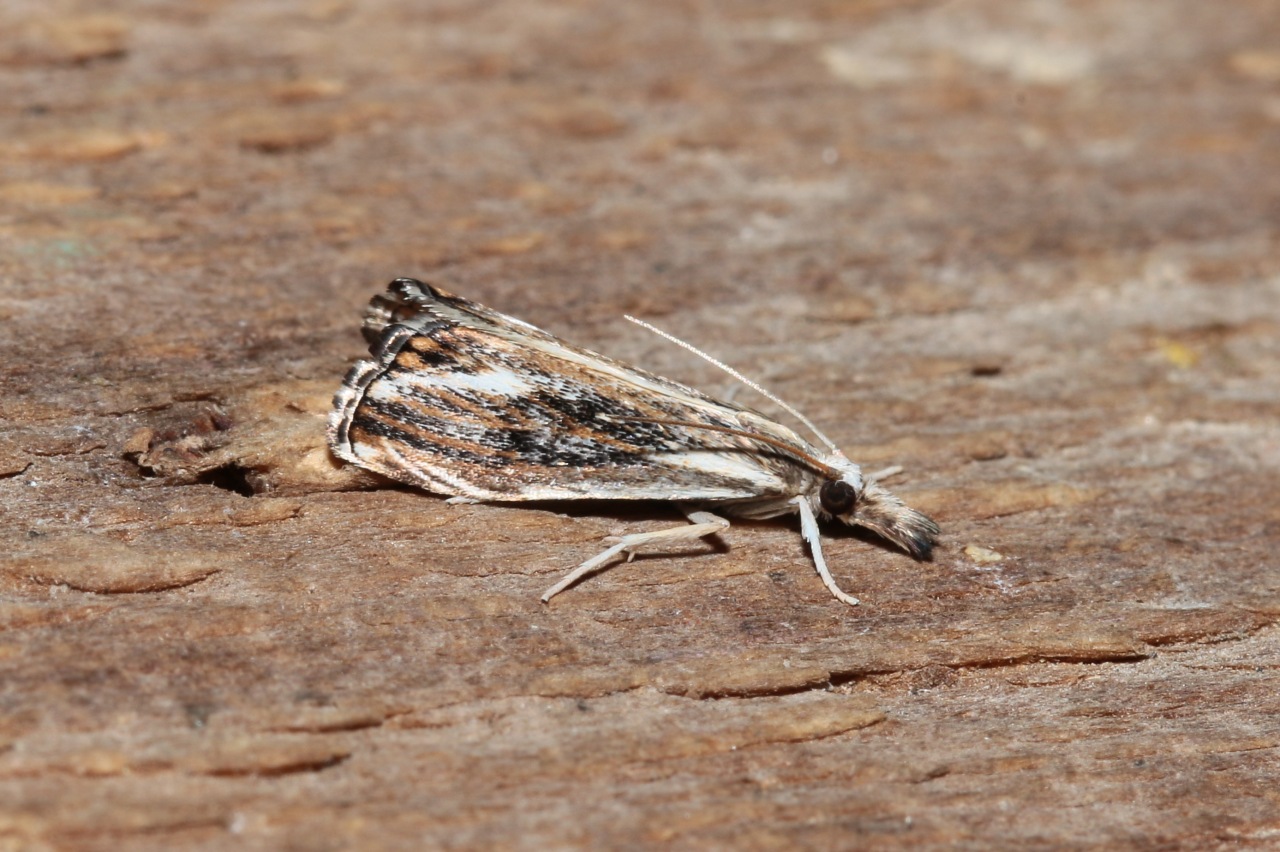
(731, 371)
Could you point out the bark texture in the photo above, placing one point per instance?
(1026, 250)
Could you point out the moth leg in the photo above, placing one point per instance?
(701, 524)
(884, 473)
(461, 501)
(809, 529)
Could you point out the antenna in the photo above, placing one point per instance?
(748, 382)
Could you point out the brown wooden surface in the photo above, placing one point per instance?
(1026, 250)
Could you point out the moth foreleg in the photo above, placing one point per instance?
(809, 530)
(701, 524)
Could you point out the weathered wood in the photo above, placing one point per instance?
(1027, 251)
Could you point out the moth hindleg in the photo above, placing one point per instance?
(701, 524)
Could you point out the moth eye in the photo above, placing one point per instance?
(837, 496)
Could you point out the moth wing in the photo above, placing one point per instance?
(462, 400)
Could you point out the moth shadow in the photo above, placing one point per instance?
(837, 531)
(632, 517)
(637, 512)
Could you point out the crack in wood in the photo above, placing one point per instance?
(287, 768)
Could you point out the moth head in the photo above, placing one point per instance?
(866, 504)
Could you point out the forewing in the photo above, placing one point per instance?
(462, 400)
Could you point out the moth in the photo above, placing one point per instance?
(461, 400)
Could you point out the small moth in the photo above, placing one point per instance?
(464, 401)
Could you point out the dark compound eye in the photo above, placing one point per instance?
(837, 496)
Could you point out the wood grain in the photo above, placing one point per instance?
(1027, 251)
